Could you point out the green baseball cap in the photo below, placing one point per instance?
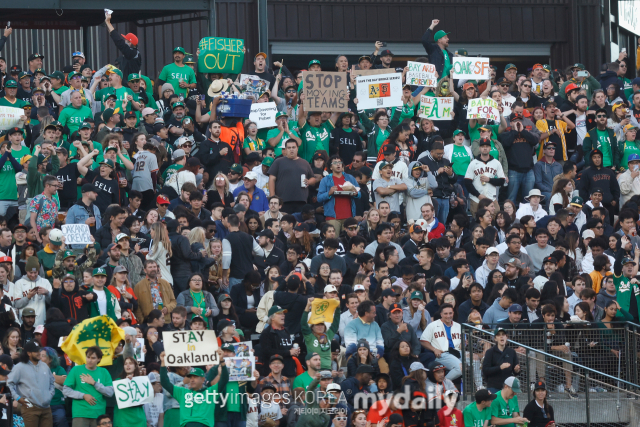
(11, 84)
(56, 75)
(68, 254)
(23, 75)
(462, 52)
(57, 124)
(108, 162)
(281, 114)
(110, 148)
(417, 295)
(40, 71)
(576, 201)
(228, 347)
(133, 76)
(73, 74)
(546, 67)
(99, 272)
(195, 372)
(385, 164)
(189, 59)
(177, 104)
(27, 103)
(115, 71)
(276, 309)
(267, 161)
(179, 49)
(578, 66)
(314, 61)
(236, 167)
(510, 66)
(440, 34)
(514, 383)
(457, 131)
(84, 125)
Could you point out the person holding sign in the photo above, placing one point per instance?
(197, 403)
(460, 156)
(313, 132)
(337, 192)
(316, 335)
(437, 50)
(133, 416)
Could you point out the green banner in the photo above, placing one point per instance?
(218, 55)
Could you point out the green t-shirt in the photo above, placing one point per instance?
(121, 94)
(460, 159)
(73, 151)
(383, 135)
(314, 139)
(80, 408)
(447, 64)
(133, 416)
(473, 417)
(18, 154)
(18, 103)
(58, 397)
(630, 147)
(172, 73)
(8, 186)
(233, 391)
(191, 411)
(474, 133)
(253, 144)
(494, 151)
(302, 380)
(73, 117)
(502, 409)
(603, 145)
(280, 145)
(61, 90)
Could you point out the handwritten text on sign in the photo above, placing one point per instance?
(190, 348)
(479, 108)
(420, 74)
(380, 91)
(76, 234)
(135, 392)
(10, 117)
(436, 108)
(325, 91)
(263, 114)
(220, 55)
(471, 68)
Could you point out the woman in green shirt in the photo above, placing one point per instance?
(629, 146)
(132, 416)
(251, 141)
(50, 357)
(317, 337)
(378, 130)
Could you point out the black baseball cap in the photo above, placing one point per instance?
(484, 395)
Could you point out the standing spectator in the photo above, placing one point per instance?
(443, 338)
(43, 209)
(179, 75)
(546, 169)
(242, 247)
(276, 340)
(181, 257)
(338, 207)
(628, 181)
(601, 178)
(290, 178)
(85, 211)
(445, 177)
(154, 293)
(31, 383)
(438, 53)
(484, 177)
(32, 291)
(131, 60)
(500, 362)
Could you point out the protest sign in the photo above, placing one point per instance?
(100, 331)
(436, 108)
(10, 117)
(220, 55)
(76, 234)
(421, 74)
(134, 392)
(240, 368)
(243, 349)
(373, 72)
(253, 85)
(263, 114)
(470, 68)
(479, 108)
(137, 349)
(322, 310)
(380, 91)
(325, 91)
(188, 348)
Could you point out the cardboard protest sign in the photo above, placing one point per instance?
(76, 234)
(240, 368)
(189, 348)
(263, 114)
(479, 108)
(435, 108)
(135, 392)
(380, 91)
(10, 117)
(470, 68)
(220, 55)
(325, 91)
(243, 349)
(323, 310)
(420, 74)
(373, 71)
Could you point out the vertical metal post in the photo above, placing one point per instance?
(212, 18)
(586, 396)
(464, 361)
(34, 39)
(85, 44)
(527, 375)
(263, 28)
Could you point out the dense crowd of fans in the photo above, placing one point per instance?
(526, 226)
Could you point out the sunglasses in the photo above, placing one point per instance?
(504, 85)
(600, 116)
(291, 91)
(526, 85)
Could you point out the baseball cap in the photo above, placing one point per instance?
(364, 369)
(334, 387)
(267, 161)
(588, 234)
(384, 164)
(196, 372)
(311, 355)
(498, 330)
(264, 55)
(32, 347)
(633, 158)
(108, 162)
(395, 307)
(389, 293)
(313, 62)
(121, 236)
(113, 245)
(549, 144)
(415, 228)
(11, 84)
(457, 131)
(417, 366)
(389, 149)
(596, 190)
(179, 49)
(491, 250)
(386, 52)
(228, 347)
(468, 86)
(438, 35)
(267, 233)
(276, 357)
(325, 375)
(502, 80)
(6, 359)
(88, 187)
(577, 201)
(120, 269)
(571, 86)
(178, 153)
(578, 66)
(515, 308)
(68, 254)
(251, 175)
(484, 141)
(147, 110)
(13, 130)
(628, 260)
(509, 67)
(330, 288)
(28, 312)
(537, 66)
(549, 259)
(629, 127)
(514, 383)
(484, 394)
(162, 200)
(358, 287)
(515, 262)
(276, 309)
(237, 168)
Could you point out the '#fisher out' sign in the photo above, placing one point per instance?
(220, 55)
(470, 68)
(325, 91)
(436, 108)
(190, 348)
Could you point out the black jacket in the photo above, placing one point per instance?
(74, 304)
(295, 305)
(519, 148)
(445, 182)
(181, 258)
(213, 162)
(424, 140)
(391, 337)
(397, 373)
(534, 413)
(130, 61)
(276, 257)
(436, 57)
(55, 330)
(274, 341)
(491, 370)
(604, 179)
(239, 298)
(104, 237)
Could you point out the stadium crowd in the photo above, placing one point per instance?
(526, 226)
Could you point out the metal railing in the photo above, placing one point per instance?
(597, 398)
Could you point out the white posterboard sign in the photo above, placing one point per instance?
(471, 68)
(479, 108)
(190, 348)
(421, 74)
(379, 91)
(10, 117)
(76, 234)
(240, 368)
(435, 108)
(263, 114)
(135, 392)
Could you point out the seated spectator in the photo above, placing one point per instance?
(475, 302)
(499, 310)
(436, 339)
(538, 411)
(396, 329)
(364, 327)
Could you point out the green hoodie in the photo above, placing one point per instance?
(313, 346)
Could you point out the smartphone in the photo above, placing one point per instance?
(467, 275)
(298, 270)
(624, 49)
(8, 24)
(201, 97)
(583, 74)
(383, 44)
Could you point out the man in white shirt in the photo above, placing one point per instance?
(262, 172)
(532, 208)
(582, 105)
(507, 99)
(31, 291)
(443, 338)
(484, 176)
(400, 169)
(597, 245)
(578, 286)
(536, 79)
